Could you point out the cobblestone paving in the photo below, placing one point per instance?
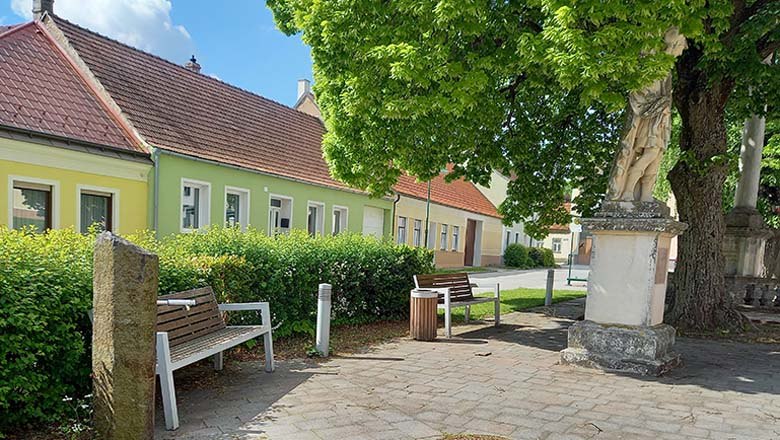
(503, 381)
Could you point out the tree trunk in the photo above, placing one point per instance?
(701, 301)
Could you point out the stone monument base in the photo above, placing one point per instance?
(630, 349)
(623, 328)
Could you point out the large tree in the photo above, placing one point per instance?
(534, 89)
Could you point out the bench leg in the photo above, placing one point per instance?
(268, 347)
(447, 323)
(218, 361)
(467, 314)
(167, 388)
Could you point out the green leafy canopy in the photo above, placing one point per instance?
(532, 89)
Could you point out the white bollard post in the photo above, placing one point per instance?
(323, 319)
(548, 294)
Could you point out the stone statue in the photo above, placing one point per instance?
(646, 135)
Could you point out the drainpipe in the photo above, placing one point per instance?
(392, 221)
(156, 208)
(427, 213)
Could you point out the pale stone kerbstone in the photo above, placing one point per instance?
(123, 344)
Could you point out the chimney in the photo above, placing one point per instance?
(304, 87)
(193, 65)
(41, 6)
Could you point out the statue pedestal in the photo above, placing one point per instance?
(743, 247)
(623, 328)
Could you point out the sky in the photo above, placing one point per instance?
(235, 41)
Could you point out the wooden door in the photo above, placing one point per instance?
(584, 251)
(471, 234)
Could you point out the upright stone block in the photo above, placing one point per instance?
(745, 242)
(623, 328)
(123, 339)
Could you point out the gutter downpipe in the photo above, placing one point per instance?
(427, 213)
(392, 221)
(156, 208)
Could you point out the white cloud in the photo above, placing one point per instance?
(144, 24)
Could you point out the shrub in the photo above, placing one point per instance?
(541, 257)
(548, 258)
(46, 292)
(516, 255)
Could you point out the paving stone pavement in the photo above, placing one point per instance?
(504, 381)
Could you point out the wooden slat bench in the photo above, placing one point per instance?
(187, 335)
(455, 290)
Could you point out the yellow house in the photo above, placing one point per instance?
(464, 228)
(66, 159)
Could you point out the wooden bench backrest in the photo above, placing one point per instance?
(458, 283)
(185, 325)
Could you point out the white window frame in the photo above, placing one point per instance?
(114, 192)
(455, 238)
(55, 197)
(559, 242)
(417, 232)
(205, 208)
(344, 219)
(244, 196)
(444, 237)
(289, 199)
(398, 230)
(320, 221)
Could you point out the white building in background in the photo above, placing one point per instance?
(496, 193)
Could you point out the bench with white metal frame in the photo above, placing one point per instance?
(186, 335)
(455, 290)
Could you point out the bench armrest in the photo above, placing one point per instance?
(263, 307)
(490, 287)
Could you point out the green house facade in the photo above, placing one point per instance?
(197, 193)
(221, 155)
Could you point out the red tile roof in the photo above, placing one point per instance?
(41, 91)
(194, 114)
(190, 113)
(562, 228)
(458, 194)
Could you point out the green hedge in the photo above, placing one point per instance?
(46, 291)
(519, 256)
(516, 255)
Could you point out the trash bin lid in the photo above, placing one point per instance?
(424, 293)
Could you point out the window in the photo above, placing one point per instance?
(417, 233)
(236, 207)
(339, 219)
(279, 215)
(431, 235)
(443, 239)
(401, 230)
(455, 237)
(98, 208)
(314, 219)
(195, 205)
(32, 206)
(507, 240)
(556, 245)
(517, 237)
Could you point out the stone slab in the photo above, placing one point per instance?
(638, 350)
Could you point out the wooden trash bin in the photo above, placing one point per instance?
(422, 318)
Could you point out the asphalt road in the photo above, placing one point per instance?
(534, 279)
